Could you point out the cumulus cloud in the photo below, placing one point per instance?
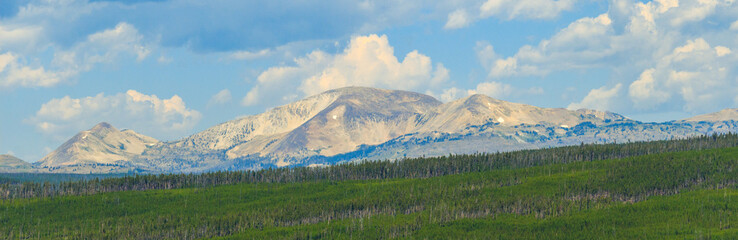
(598, 99)
(645, 92)
(233, 25)
(648, 47)
(722, 51)
(13, 72)
(101, 47)
(148, 114)
(222, 97)
(574, 47)
(689, 11)
(366, 61)
(450, 94)
(457, 19)
(696, 74)
(493, 89)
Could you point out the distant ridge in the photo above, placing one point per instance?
(355, 123)
(10, 163)
(728, 114)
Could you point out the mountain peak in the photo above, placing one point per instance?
(102, 144)
(357, 122)
(482, 99)
(369, 92)
(103, 126)
(383, 99)
(354, 89)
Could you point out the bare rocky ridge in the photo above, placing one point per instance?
(358, 116)
(728, 114)
(101, 146)
(356, 123)
(480, 109)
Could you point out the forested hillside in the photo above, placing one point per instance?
(667, 189)
(44, 185)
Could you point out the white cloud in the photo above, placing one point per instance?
(599, 99)
(246, 55)
(228, 26)
(440, 76)
(530, 9)
(698, 75)
(645, 92)
(467, 12)
(162, 118)
(251, 98)
(101, 47)
(19, 37)
(14, 73)
(650, 47)
(577, 46)
(450, 94)
(493, 89)
(722, 51)
(366, 61)
(693, 11)
(486, 54)
(496, 64)
(678, 13)
(222, 97)
(457, 19)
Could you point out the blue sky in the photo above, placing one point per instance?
(170, 68)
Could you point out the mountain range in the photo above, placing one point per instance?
(359, 123)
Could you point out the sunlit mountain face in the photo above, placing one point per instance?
(356, 123)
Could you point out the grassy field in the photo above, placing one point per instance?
(671, 195)
(701, 214)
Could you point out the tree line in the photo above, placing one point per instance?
(695, 188)
(423, 167)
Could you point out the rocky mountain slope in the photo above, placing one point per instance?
(103, 148)
(480, 109)
(728, 114)
(357, 123)
(356, 117)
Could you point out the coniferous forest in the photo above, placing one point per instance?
(674, 189)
